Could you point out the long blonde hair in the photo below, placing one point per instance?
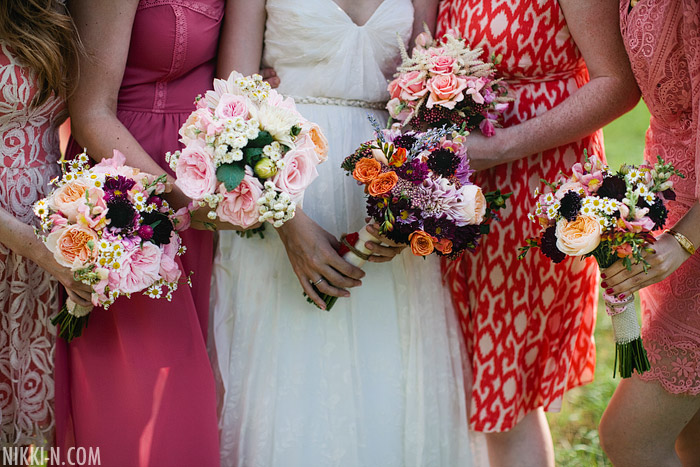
(42, 36)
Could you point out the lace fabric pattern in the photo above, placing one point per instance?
(662, 38)
(28, 295)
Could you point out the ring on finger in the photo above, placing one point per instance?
(317, 282)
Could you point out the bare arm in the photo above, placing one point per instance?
(611, 91)
(425, 13)
(241, 43)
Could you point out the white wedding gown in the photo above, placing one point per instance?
(378, 381)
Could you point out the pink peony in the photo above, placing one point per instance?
(445, 90)
(409, 86)
(139, 268)
(298, 172)
(232, 105)
(196, 174)
(239, 206)
(442, 65)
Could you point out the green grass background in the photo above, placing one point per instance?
(575, 428)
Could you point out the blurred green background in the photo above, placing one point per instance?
(575, 428)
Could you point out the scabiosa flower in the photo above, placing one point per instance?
(414, 171)
(121, 214)
(117, 187)
(549, 245)
(466, 238)
(440, 227)
(570, 205)
(405, 140)
(658, 213)
(443, 162)
(613, 186)
(161, 225)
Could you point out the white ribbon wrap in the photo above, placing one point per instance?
(77, 310)
(364, 237)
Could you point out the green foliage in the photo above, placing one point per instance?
(231, 175)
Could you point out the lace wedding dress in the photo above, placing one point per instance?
(378, 381)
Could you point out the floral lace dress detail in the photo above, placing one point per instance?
(662, 38)
(29, 150)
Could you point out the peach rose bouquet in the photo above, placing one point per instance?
(609, 216)
(248, 154)
(444, 82)
(111, 227)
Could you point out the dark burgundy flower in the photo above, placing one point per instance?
(414, 171)
(405, 140)
(669, 194)
(443, 162)
(121, 214)
(440, 227)
(157, 200)
(570, 205)
(161, 225)
(613, 186)
(145, 232)
(549, 245)
(117, 187)
(658, 213)
(466, 238)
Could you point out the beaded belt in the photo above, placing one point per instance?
(338, 101)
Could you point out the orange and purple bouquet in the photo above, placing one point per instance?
(610, 216)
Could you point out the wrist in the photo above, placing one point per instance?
(682, 240)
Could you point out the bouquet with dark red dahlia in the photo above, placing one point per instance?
(609, 216)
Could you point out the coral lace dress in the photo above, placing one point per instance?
(529, 338)
(662, 38)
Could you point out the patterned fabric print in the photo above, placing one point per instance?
(529, 338)
(662, 39)
(28, 295)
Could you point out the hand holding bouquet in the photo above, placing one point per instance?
(248, 155)
(109, 225)
(446, 83)
(610, 216)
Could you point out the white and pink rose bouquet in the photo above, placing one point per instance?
(609, 216)
(111, 227)
(444, 82)
(248, 154)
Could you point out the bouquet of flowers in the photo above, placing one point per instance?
(446, 83)
(248, 155)
(609, 216)
(111, 227)
(419, 192)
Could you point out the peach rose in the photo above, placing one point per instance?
(445, 90)
(444, 246)
(239, 207)
(408, 86)
(442, 65)
(473, 206)
(68, 198)
(298, 172)
(366, 170)
(140, 268)
(195, 171)
(382, 184)
(73, 246)
(578, 237)
(422, 243)
(313, 133)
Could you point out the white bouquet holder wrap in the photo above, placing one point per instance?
(630, 354)
(77, 310)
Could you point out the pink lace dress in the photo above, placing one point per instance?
(662, 38)
(28, 295)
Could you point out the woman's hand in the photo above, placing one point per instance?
(77, 291)
(312, 253)
(486, 152)
(668, 256)
(270, 75)
(385, 252)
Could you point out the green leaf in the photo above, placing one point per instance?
(252, 155)
(231, 175)
(263, 139)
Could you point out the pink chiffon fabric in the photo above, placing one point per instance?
(662, 38)
(138, 384)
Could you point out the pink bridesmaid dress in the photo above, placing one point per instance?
(138, 383)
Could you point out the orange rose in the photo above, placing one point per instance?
(68, 198)
(366, 170)
(383, 184)
(444, 246)
(73, 246)
(422, 244)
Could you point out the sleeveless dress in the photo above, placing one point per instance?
(29, 296)
(529, 339)
(378, 380)
(662, 38)
(139, 383)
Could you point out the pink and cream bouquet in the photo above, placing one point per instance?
(444, 82)
(248, 154)
(609, 216)
(111, 227)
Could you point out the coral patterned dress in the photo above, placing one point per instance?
(662, 38)
(528, 324)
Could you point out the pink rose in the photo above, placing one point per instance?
(298, 172)
(239, 206)
(199, 124)
(408, 86)
(487, 128)
(169, 269)
(139, 268)
(445, 90)
(182, 218)
(232, 105)
(442, 65)
(196, 174)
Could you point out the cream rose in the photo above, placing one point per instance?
(473, 204)
(68, 198)
(578, 237)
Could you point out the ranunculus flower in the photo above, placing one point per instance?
(68, 198)
(239, 206)
(578, 237)
(382, 184)
(445, 90)
(366, 170)
(139, 268)
(196, 174)
(422, 243)
(298, 172)
(312, 133)
(409, 86)
(232, 105)
(473, 206)
(442, 65)
(73, 246)
(444, 246)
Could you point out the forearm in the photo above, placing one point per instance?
(425, 15)
(241, 42)
(20, 238)
(689, 224)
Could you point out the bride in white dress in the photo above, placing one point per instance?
(378, 381)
